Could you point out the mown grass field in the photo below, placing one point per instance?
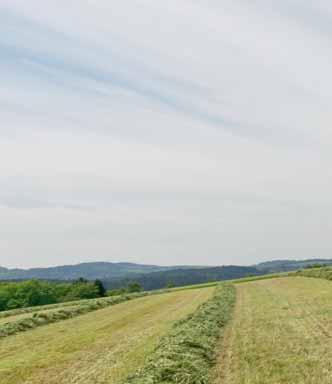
(22, 323)
(99, 347)
(18, 311)
(281, 333)
(20, 316)
(24, 319)
(188, 352)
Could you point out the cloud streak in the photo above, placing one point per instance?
(162, 133)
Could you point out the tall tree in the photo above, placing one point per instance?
(100, 288)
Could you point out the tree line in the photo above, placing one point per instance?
(32, 293)
(180, 277)
(35, 292)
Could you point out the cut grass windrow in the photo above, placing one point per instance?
(43, 318)
(187, 354)
(99, 347)
(39, 308)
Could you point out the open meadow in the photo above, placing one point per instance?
(25, 315)
(103, 346)
(281, 333)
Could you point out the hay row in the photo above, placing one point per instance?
(187, 354)
(43, 318)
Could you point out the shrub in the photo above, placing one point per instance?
(134, 287)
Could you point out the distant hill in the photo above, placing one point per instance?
(153, 276)
(90, 271)
(289, 265)
(180, 277)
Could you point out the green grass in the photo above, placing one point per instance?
(104, 346)
(23, 319)
(261, 277)
(26, 310)
(321, 273)
(195, 286)
(24, 315)
(24, 322)
(187, 353)
(233, 281)
(281, 333)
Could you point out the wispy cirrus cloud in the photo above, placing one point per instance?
(158, 132)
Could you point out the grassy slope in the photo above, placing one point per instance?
(281, 333)
(187, 353)
(234, 281)
(21, 316)
(15, 313)
(25, 313)
(25, 310)
(100, 347)
(321, 273)
(42, 318)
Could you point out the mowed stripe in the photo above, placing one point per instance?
(281, 333)
(21, 316)
(100, 347)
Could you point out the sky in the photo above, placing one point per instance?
(165, 132)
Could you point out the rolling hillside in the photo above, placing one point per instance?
(182, 277)
(289, 265)
(99, 347)
(279, 332)
(90, 271)
(108, 271)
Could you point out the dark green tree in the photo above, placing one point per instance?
(100, 288)
(170, 284)
(134, 287)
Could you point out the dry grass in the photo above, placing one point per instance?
(321, 273)
(281, 334)
(187, 354)
(100, 347)
(24, 322)
(38, 308)
(21, 316)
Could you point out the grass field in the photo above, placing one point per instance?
(100, 347)
(23, 313)
(24, 322)
(19, 311)
(281, 333)
(24, 319)
(187, 353)
(21, 316)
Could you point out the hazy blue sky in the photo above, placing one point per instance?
(191, 132)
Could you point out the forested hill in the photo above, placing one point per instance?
(152, 276)
(180, 277)
(90, 271)
(290, 265)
